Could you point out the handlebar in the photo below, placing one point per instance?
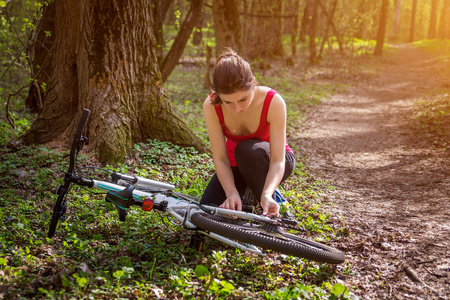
(59, 208)
(82, 123)
(78, 140)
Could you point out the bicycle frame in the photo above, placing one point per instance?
(182, 210)
(125, 191)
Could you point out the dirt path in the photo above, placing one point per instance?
(393, 187)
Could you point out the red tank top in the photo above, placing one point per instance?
(262, 133)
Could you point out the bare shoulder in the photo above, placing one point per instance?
(278, 102)
(209, 111)
(264, 89)
(277, 108)
(207, 104)
(277, 97)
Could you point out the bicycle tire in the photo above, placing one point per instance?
(56, 214)
(287, 244)
(53, 225)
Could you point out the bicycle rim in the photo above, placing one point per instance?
(53, 225)
(280, 242)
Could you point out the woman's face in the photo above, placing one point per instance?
(238, 101)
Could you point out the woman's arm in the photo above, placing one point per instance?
(220, 157)
(276, 117)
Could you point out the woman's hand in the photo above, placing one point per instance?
(232, 202)
(270, 207)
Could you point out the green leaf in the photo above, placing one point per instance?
(128, 270)
(2, 3)
(226, 286)
(339, 289)
(201, 271)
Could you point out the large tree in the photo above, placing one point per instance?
(382, 27)
(104, 58)
(264, 33)
(433, 19)
(444, 21)
(171, 59)
(396, 24)
(313, 31)
(412, 27)
(227, 25)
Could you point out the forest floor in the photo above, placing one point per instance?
(392, 184)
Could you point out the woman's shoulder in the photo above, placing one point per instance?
(209, 109)
(208, 102)
(264, 90)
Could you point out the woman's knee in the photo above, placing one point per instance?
(252, 150)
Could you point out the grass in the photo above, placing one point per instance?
(94, 255)
(432, 111)
(432, 117)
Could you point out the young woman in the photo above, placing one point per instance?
(247, 129)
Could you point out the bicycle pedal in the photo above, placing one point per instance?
(197, 241)
(289, 218)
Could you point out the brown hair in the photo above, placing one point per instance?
(231, 73)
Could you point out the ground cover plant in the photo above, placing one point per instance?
(94, 255)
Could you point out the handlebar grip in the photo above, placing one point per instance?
(82, 123)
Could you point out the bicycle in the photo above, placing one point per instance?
(243, 230)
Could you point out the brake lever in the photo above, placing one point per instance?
(81, 142)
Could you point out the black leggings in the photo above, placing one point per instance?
(253, 159)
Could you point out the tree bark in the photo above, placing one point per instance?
(433, 20)
(42, 59)
(227, 25)
(264, 35)
(396, 18)
(329, 22)
(444, 21)
(333, 27)
(382, 28)
(177, 48)
(294, 32)
(306, 21)
(312, 33)
(105, 60)
(413, 21)
(158, 28)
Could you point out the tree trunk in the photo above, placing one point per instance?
(433, 20)
(312, 33)
(175, 52)
(294, 32)
(329, 22)
(197, 36)
(333, 27)
(158, 28)
(245, 24)
(105, 60)
(264, 36)
(42, 59)
(227, 25)
(306, 21)
(207, 78)
(413, 21)
(444, 22)
(382, 28)
(396, 18)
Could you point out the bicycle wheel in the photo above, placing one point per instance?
(53, 225)
(278, 241)
(59, 208)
